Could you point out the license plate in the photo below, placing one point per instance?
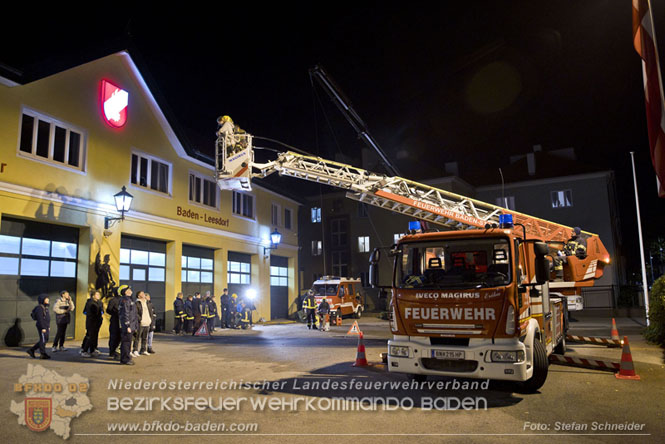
(447, 354)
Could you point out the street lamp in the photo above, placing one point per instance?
(123, 201)
(275, 239)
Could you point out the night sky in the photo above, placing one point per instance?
(472, 82)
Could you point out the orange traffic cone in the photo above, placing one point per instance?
(615, 332)
(626, 371)
(361, 360)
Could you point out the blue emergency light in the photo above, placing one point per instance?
(506, 220)
(414, 225)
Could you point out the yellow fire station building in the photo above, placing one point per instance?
(68, 144)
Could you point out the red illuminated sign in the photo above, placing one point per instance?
(114, 101)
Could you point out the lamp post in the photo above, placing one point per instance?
(123, 201)
(275, 239)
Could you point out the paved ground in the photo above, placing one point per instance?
(292, 357)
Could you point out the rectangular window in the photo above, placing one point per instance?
(561, 199)
(274, 214)
(243, 204)
(279, 276)
(338, 232)
(202, 190)
(397, 237)
(239, 272)
(339, 263)
(316, 215)
(49, 139)
(362, 209)
(507, 202)
(149, 172)
(37, 257)
(287, 218)
(317, 247)
(197, 269)
(363, 244)
(142, 265)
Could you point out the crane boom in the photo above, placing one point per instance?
(396, 194)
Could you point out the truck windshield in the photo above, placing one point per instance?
(324, 289)
(455, 263)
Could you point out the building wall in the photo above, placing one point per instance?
(36, 189)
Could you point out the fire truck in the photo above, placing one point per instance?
(472, 300)
(343, 294)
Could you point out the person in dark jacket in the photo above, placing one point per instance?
(93, 322)
(42, 319)
(212, 313)
(224, 301)
(62, 309)
(196, 309)
(153, 324)
(189, 314)
(114, 324)
(129, 323)
(179, 313)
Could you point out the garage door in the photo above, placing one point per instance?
(279, 287)
(239, 273)
(35, 258)
(143, 267)
(197, 270)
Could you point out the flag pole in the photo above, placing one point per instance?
(639, 231)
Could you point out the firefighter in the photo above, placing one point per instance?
(575, 246)
(244, 315)
(233, 310)
(309, 305)
(179, 313)
(189, 314)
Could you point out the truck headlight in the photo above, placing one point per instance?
(399, 351)
(507, 356)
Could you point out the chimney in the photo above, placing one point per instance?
(531, 163)
(451, 169)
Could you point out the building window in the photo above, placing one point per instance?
(37, 257)
(287, 218)
(141, 265)
(243, 205)
(339, 263)
(279, 276)
(239, 272)
(507, 202)
(197, 269)
(316, 215)
(317, 247)
(561, 199)
(151, 173)
(363, 244)
(362, 209)
(275, 210)
(338, 232)
(202, 190)
(397, 237)
(51, 140)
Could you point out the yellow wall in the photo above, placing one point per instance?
(38, 190)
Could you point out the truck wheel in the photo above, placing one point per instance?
(358, 313)
(540, 368)
(560, 349)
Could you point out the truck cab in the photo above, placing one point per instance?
(342, 293)
(472, 304)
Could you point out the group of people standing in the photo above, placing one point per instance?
(192, 312)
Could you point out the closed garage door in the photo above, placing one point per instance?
(197, 270)
(143, 267)
(279, 287)
(35, 258)
(239, 269)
